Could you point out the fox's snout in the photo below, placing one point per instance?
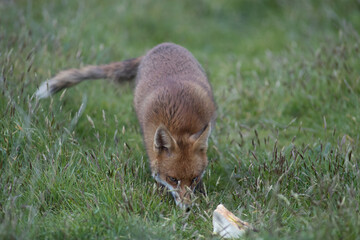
(182, 194)
(183, 198)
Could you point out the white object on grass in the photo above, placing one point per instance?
(227, 225)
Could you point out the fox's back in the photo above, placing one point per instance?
(172, 89)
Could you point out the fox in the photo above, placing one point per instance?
(175, 108)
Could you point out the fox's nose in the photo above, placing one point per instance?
(184, 204)
(183, 199)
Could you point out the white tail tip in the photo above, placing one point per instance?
(44, 90)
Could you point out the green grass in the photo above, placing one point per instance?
(285, 152)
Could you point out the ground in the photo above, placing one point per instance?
(284, 154)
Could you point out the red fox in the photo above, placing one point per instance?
(175, 107)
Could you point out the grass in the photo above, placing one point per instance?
(285, 152)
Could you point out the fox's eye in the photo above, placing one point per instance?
(163, 149)
(172, 179)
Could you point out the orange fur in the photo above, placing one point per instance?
(172, 90)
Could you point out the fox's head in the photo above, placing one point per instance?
(179, 162)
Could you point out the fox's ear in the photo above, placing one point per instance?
(163, 139)
(201, 137)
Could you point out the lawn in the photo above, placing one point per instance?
(284, 154)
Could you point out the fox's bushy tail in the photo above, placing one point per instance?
(118, 71)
